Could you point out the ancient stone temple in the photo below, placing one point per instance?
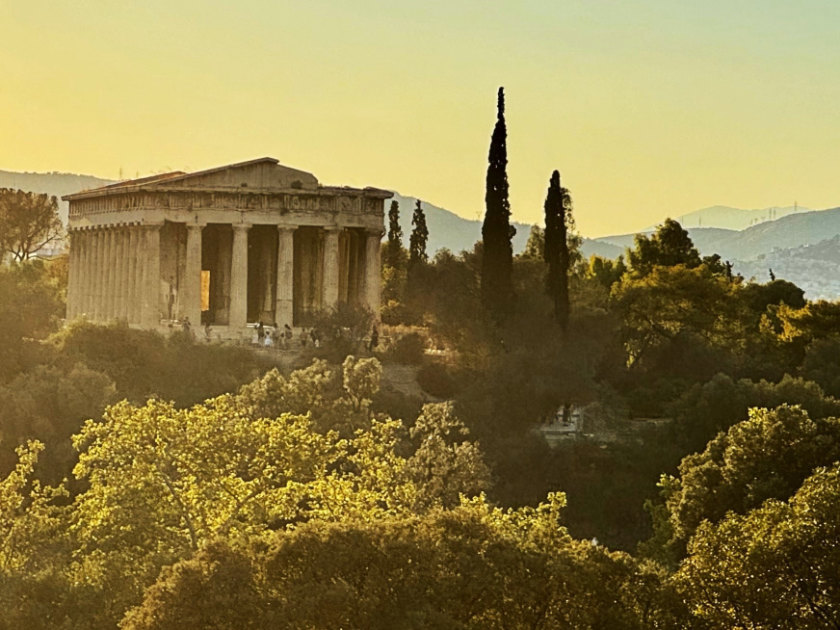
(238, 244)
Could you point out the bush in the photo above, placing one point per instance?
(343, 331)
(436, 381)
(144, 363)
(409, 349)
(394, 313)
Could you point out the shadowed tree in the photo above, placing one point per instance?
(28, 223)
(557, 248)
(419, 237)
(417, 257)
(394, 248)
(496, 232)
(535, 246)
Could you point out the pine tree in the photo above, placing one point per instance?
(557, 248)
(418, 239)
(496, 232)
(394, 248)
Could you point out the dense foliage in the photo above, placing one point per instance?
(207, 487)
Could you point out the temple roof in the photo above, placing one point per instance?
(262, 175)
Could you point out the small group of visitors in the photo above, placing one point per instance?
(266, 338)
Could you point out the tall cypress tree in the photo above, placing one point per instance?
(496, 232)
(557, 248)
(394, 247)
(418, 239)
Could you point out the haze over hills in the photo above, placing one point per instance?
(800, 247)
(447, 229)
(56, 184)
(450, 231)
(731, 218)
(798, 244)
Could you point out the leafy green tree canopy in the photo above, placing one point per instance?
(774, 567)
(28, 223)
(471, 567)
(764, 457)
(669, 246)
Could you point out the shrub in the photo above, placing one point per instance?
(436, 381)
(409, 349)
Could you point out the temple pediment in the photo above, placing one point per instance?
(263, 174)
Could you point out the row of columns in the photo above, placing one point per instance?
(115, 274)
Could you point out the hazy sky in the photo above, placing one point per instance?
(647, 108)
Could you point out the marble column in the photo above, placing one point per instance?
(373, 272)
(150, 312)
(110, 268)
(331, 268)
(191, 294)
(284, 307)
(101, 274)
(72, 274)
(83, 283)
(90, 275)
(133, 308)
(239, 277)
(120, 267)
(79, 283)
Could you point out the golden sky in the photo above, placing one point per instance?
(648, 108)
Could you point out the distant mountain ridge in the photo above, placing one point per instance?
(732, 218)
(446, 229)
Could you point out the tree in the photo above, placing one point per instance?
(28, 223)
(143, 363)
(497, 232)
(774, 567)
(394, 251)
(471, 567)
(764, 457)
(163, 482)
(335, 399)
(445, 465)
(706, 409)
(28, 518)
(419, 237)
(417, 273)
(535, 246)
(671, 305)
(669, 246)
(556, 253)
(30, 307)
(49, 403)
(606, 271)
(393, 270)
(814, 320)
